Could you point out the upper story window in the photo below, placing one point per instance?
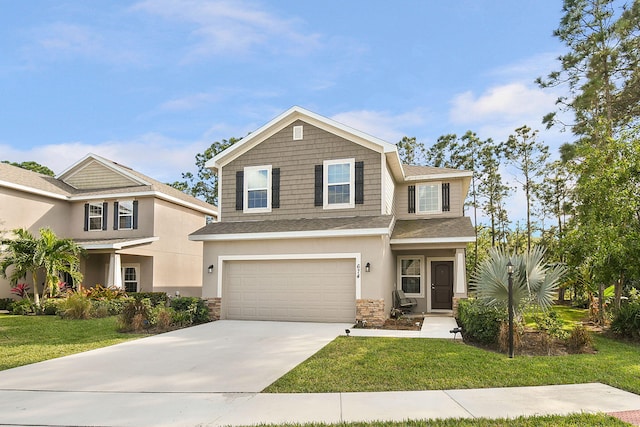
(339, 183)
(429, 198)
(257, 189)
(125, 215)
(95, 216)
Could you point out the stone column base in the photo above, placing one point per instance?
(214, 305)
(370, 311)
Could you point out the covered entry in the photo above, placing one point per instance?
(310, 290)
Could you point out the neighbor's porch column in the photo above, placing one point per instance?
(461, 274)
(115, 271)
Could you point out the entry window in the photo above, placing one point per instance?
(130, 278)
(339, 184)
(429, 198)
(95, 216)
(257, 191)
(411, 276)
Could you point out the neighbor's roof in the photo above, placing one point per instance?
(295, 228)
(435, 230)
(142, 185)
(114, 243)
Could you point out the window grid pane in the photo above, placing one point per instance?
(410, 272)
(339, 173)
(428, 198)
(338, 194)
(95, 217)
(125, 215)
(257, 199)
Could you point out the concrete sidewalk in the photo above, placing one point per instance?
(221, 409)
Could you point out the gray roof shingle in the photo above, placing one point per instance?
(434, 228)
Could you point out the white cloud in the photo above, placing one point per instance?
(189, 102)
(157, 156)
(231, 27)
(511, 102)
(62, 40)
(383, 125)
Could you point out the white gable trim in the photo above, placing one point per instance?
(285, 119)
(79, 166)
(32, 190)
(119, 245)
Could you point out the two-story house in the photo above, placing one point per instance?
(134, 228)
(321, 222)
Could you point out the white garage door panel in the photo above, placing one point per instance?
(295, 290)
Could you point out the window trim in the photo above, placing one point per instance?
(438, 209)
(325, 184)
(422, 275)
(136, 268)
(245, 189)
(101, 216)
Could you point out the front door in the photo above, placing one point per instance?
(442, 285)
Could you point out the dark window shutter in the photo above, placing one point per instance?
(446, 206)
(412, 199)
(116, 213)
(105, 209)
(239, 190)
(318, 186)
(275, 188)
(359, 183)
(86, 217)
(135, 214)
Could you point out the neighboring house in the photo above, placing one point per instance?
(321, 222)
(134, 228)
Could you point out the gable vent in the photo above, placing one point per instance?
(297, 133)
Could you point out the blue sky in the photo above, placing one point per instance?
(151, 83)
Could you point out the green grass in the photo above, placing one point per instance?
(394, 364)
(30, 339)
(570, 316)
(577, 420)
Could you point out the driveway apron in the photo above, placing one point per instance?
(219, 357)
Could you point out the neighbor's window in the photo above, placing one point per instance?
(257, 189)
(339, 183)
(429, 198)
(95, 216)
(125, 215)
(410, 272)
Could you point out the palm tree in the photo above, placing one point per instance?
(48, 253)
(534, 282)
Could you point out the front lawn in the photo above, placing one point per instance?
(30, 339)
(576, 420)
(394, 364)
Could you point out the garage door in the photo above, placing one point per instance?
(293, 290)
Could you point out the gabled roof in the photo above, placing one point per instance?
(298, 113)
(123, 182)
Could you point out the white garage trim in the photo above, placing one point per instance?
(266, 257)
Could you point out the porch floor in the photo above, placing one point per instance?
(433, 326)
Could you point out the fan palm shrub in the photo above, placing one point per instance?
(534, 281)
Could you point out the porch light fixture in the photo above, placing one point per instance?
(510, 307)
(210, 269)
(367, 267)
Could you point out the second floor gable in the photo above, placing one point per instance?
(301, 165)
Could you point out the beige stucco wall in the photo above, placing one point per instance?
(146, 220)
(377, 284)
(456, 200)
(25, 210)
(297, 160)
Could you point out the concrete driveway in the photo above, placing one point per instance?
(219, 357)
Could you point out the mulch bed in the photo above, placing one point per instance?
(402, 324)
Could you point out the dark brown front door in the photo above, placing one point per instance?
(442, 285)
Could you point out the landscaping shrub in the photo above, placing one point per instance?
(136, 315)
(549, 322)
(77, 306)
(99, 292)
(156, 298)
(5, 303)
(195, 310)
(52, 306)
(579, 340)
(163, 317)
(22, 307)
(480, 323)
(626, 320)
